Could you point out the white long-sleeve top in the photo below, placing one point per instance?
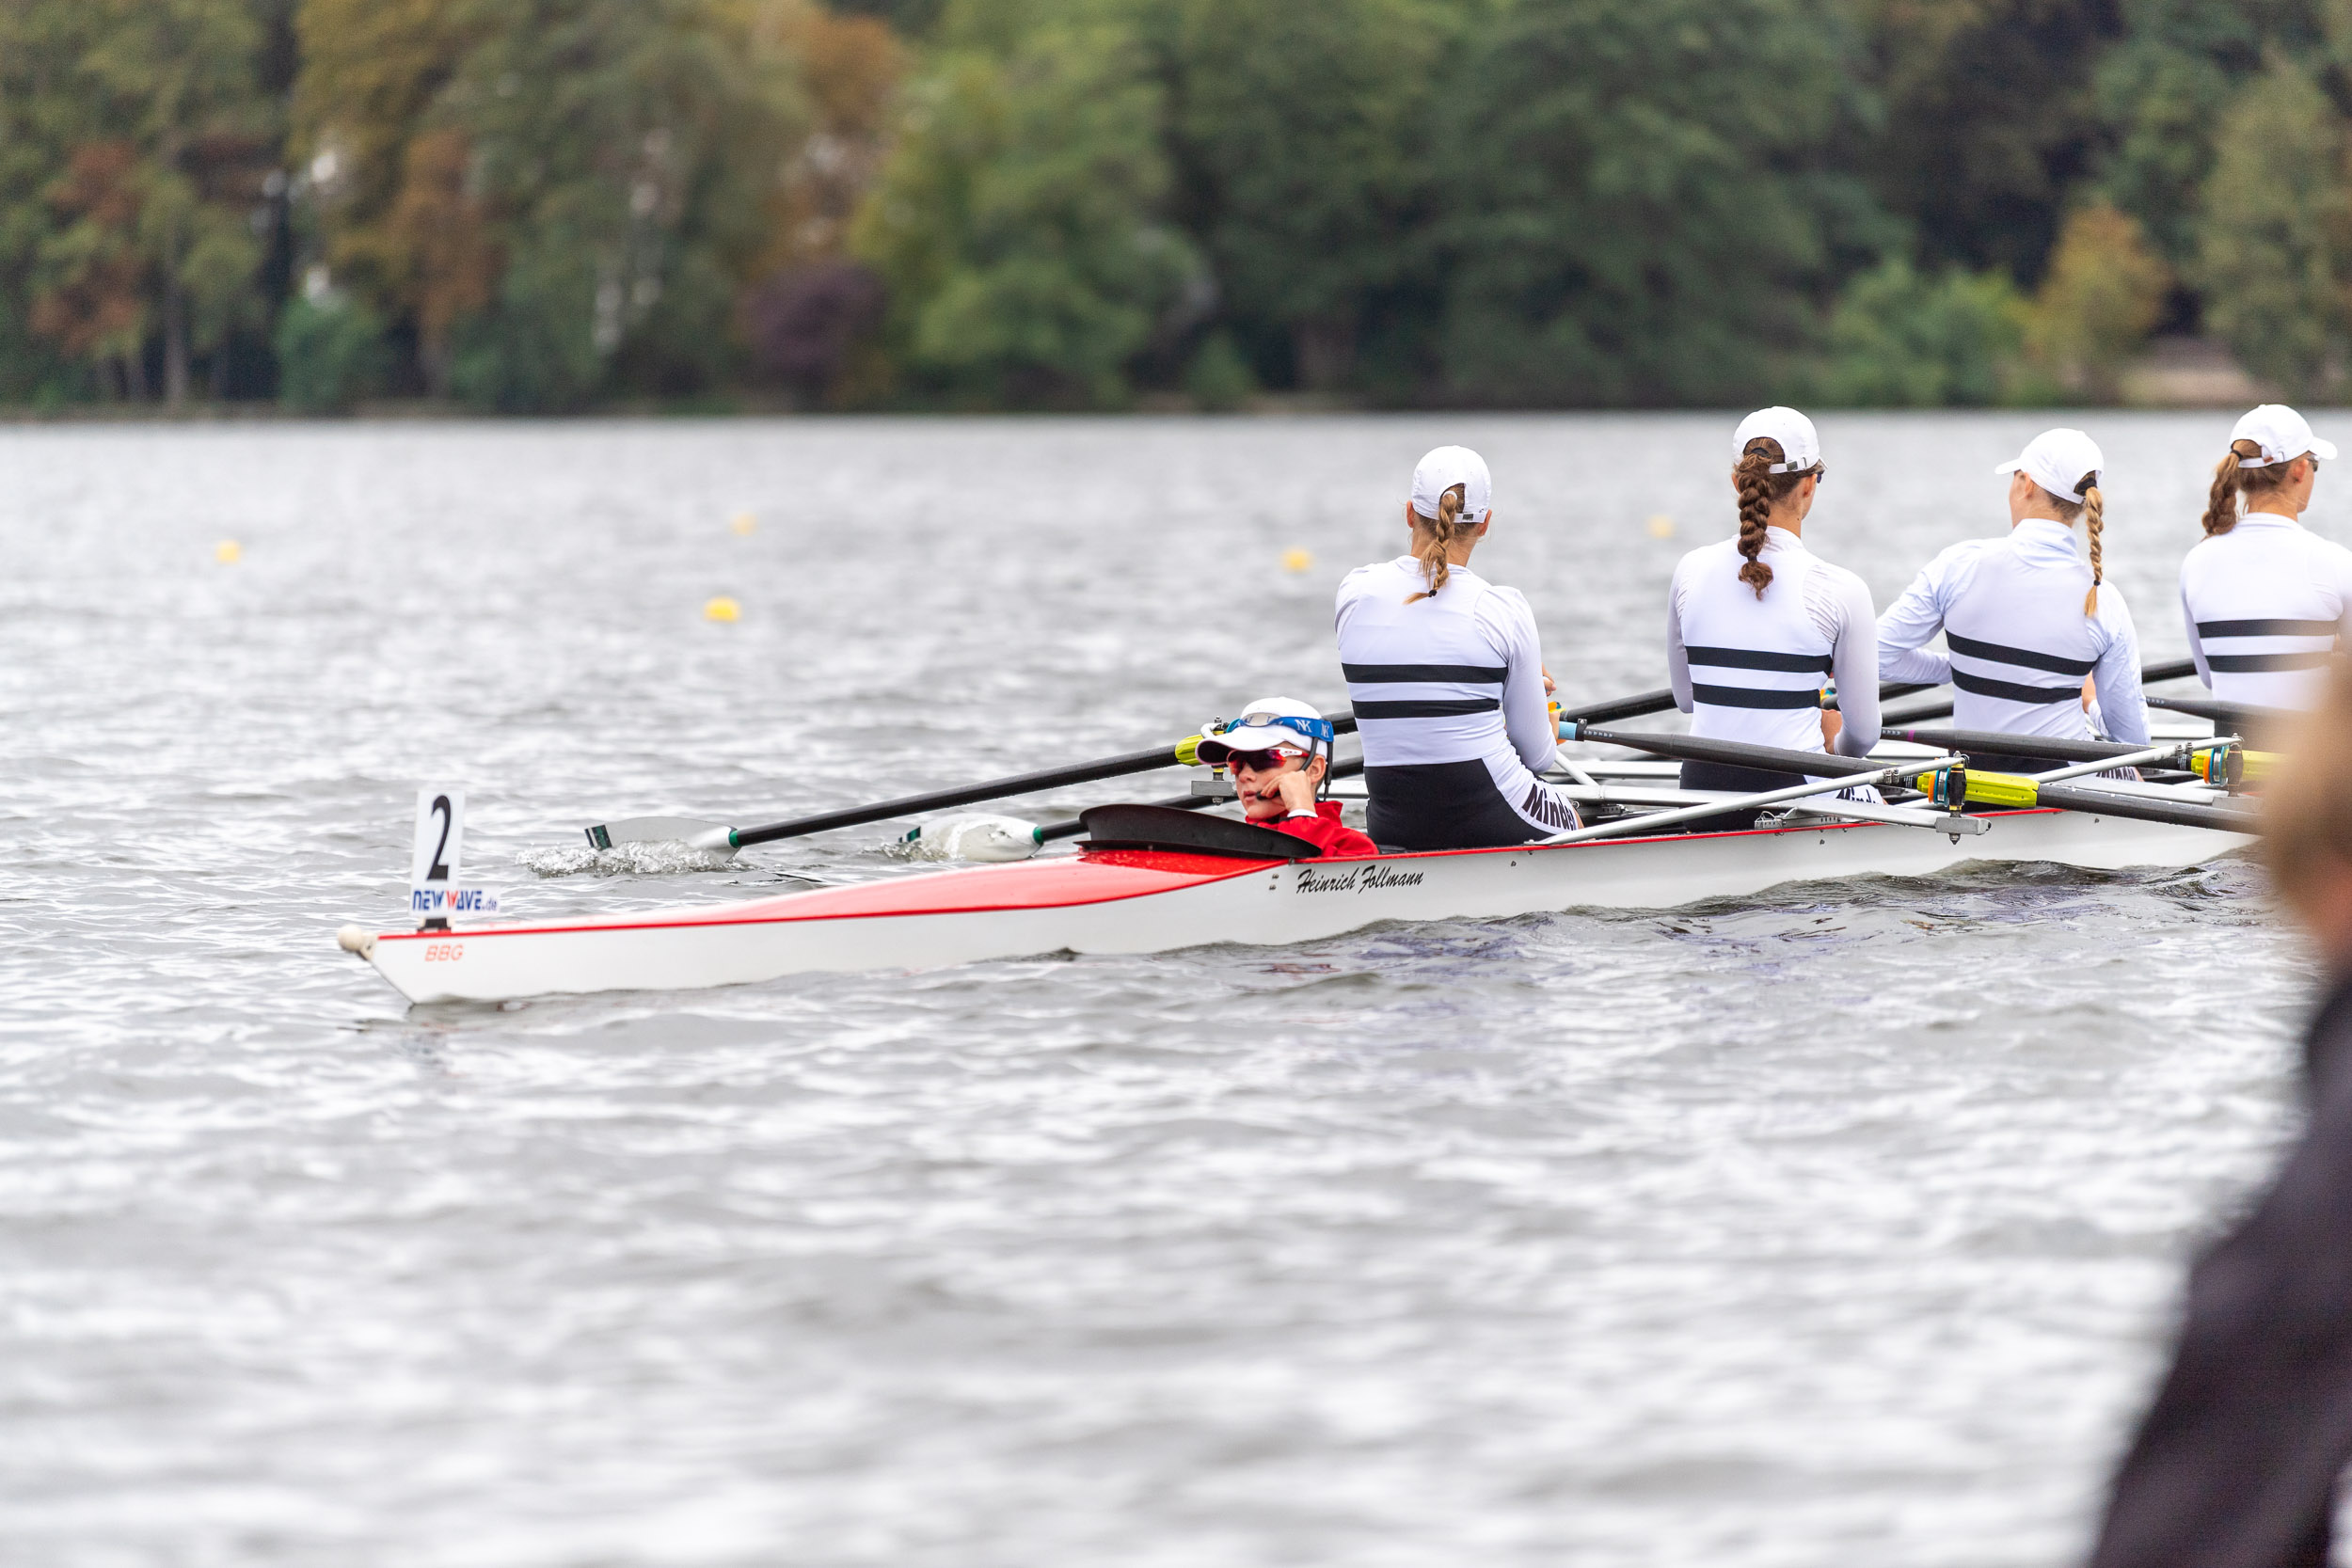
(1449, 678)
(2265, 604)
(1749, 669)
(2011, 611)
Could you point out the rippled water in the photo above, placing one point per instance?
(1838, 1225)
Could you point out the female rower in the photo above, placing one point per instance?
(2021, 609)
(1448, 680)
(1754, 623)
(2264, 600)
(1280, 750)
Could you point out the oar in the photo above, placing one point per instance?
(1987, 743)
(2170, 669)
(2230, 716)
(2015, 790)
(719, 837)
(1851, 775)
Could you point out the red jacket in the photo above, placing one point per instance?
(1336, 839)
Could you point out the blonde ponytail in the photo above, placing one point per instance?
(2094, 510)
(1434, 567)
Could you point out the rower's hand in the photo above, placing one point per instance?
(1297, 791)
(1552, 687)
(1833, 723)
(2091, 692)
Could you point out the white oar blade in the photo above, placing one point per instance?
(975, 838)
(708, 836)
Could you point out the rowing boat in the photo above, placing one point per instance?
(1150, 899)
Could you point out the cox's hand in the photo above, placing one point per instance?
(1297, 790)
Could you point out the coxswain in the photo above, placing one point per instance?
(2264, 598)
(1280, 752)
(1448, 680)
(1756, 622)
(2025, 618)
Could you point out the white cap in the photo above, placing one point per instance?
(1798, 445)
(1446, 468)
(2058, 460)
(1225, 737)
(2283, 434)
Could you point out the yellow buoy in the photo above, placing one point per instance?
(722, 609)
(745, 524)
(227, 552)
(1662, 526)
(1297, 560)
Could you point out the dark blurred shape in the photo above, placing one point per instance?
(804, 321)
(2236, 1464)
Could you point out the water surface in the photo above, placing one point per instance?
(1839, 1225)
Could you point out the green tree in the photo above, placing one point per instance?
(1642, 198)
(1987, 119)
(1302, 134)
(1017, 224)
(1900, 337)
(563, 197)
(2271, 240)
(137, 138)
(2104, 291)
(2163, 92)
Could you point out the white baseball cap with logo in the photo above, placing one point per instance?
(1800, 445)
(2059, 461)
(2283, 436)
(1446, 468)
(1268, 725)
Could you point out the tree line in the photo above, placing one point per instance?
(548, 205)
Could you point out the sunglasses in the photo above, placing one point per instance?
(1257, 762)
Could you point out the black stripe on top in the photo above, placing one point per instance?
(1748, 696)
(2013, 691)
(1468, 675)
(2265, 628)
(1999, 654)
(1748, 658)
(2247, 664)
(1442, 707)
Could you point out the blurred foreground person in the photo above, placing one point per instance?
(2235, 1465)
(2265, 598)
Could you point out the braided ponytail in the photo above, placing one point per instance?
(2094, 510)
(2234, 479)
(2222, 503)
(1435, 568)
(1760, 490)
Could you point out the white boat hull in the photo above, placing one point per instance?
(1142, 902)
